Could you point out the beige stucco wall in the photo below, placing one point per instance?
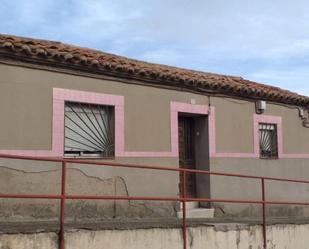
(26, 106)
(26, 124)
(250, 189)
(295, 136)
(26, 110)
(35, 177)
(234, 126)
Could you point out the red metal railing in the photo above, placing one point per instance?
(183, 199)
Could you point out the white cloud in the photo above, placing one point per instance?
(258, 39)
(167, 55)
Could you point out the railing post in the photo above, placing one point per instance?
(62, 205)
(264, 213)
(184, 215)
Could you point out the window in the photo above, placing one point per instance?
(268, 141)
(89, 130)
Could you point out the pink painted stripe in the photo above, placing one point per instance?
(87, 97)
(256, 146)
(175, 109)
(295, 156)
(174, 132)
(256, 120)
(268, 119)
(42, 153)
(62, 95)
(189, 108)
(119, 130)
(59, 98)
(253, 155)
(212, 131)
(149, 154)
(234, 155)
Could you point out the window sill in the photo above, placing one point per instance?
(269, 158)
(89, 157)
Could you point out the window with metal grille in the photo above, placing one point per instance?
(268, 141)
(89, 130)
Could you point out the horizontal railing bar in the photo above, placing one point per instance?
(286, 203)
(285, 180)
(245, 201)
(28, 196)
(63, 196)
(32, 158)
(130, 198)
(149, 167)
(104, 197)
(145, 198)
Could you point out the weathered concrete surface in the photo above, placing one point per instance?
(131, 224)
(250, 189)
(29, 241)
(19, 181)
(232, 236)
(216, 236)
(25, 177)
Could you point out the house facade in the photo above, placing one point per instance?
(58, 100)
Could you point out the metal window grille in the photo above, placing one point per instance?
(89, 130)
(268, 141)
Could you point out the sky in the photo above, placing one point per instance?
(266, 41)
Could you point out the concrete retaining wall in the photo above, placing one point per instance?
(227, 236)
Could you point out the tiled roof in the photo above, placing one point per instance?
(64, 55)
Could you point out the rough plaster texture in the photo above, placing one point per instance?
(26, 119)
(224, 236)
(27, 122)
(234, 126)
(25, 110)
(44, 178)
(248, 189)
(78, 182)
(27, 241)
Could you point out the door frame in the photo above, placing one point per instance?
(201, 153)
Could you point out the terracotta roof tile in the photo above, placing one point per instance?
(50, 52)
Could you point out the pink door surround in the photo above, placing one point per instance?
(62, 95)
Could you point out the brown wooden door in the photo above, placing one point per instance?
(186, 153)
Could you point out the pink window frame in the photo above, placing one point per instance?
(62, 95)
(175, 109)
(59, 98)
(267, 119)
